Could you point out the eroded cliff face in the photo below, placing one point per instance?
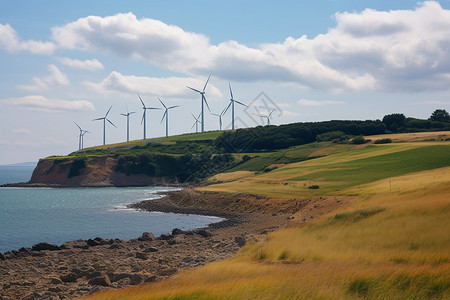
(99, 172)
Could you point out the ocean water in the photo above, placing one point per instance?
(15, 174)
(32, 215)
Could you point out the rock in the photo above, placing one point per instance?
(151, 249)
(136, 279)
(176, 240)
(141, 255)
(45, 246)
(240, 241)
(103, 281)
(146, 236)
(167, 272)
(115, 246)
(55, 281)
(177, 231)
(94, 274)
(119, 276)
(165, 236)
(153, 278)
(2, 257)
(202, 232)
(71, 277)
(103, 241)
(92, 243)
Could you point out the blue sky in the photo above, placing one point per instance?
(68, 61)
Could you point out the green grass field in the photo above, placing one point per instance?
(389, 244)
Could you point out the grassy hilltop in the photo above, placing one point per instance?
(391, 239)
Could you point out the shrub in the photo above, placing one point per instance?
(313, 187)
(383, 141)
(359, 140)
(77, 165)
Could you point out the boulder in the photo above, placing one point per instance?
(136, 279)
(141, 255)
(71, 277)
(176, 240)
(151, 249)
(146, 236)
(165, 237)
(177, 231)
(92, 243)
(2, 257)
(94, 274)
(202, 232)
(152, 278)
(167, 271)
(102, 280)
(45, 246)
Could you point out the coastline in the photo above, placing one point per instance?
(81, 267)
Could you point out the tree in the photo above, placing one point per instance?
(394, 121)
(440, 115)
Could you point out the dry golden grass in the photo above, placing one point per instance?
(412, 137)
(225, 177)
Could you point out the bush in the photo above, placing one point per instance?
(313, 187)
(383, 141)
(359, 140)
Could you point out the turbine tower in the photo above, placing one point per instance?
(144, 115)
(166, 115)
(128, 122)
(202, 93)
(104, 123)
(196, 122)
(81, 136)
(220, 117)
(232, 101)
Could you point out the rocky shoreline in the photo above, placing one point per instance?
(82, 267)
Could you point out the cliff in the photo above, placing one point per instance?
(95, 172)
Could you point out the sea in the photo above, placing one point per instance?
(55, 215)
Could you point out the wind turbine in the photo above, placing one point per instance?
(267, 116)
(81, 136)
(232, 101)
(196, 122)
(144, 115)
(104, 123)
(203, 101)
(128, 122)
(166, 115)
(220, 117)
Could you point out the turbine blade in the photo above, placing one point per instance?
(173, 106)
(141, 101)
(215, 114)
(77, 125)
(98, 119)
(153, 108)
(241, 103)
(164, 115)
(131, 112)
(271, 112)
(125, 115)
(231, 92)
(204, 88)
(143, 116)
(108, 111)
(161, 102)
(226, 109)
(207, 105)
(193, 89)
(111, 123)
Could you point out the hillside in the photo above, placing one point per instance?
(192, 158)
(390, 242)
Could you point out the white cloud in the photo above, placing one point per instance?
(21, 131)
(10, 42)
(56, 78)
(371, 50)
(171, 87)
(89, 64)
(308, 102)
(40, 103)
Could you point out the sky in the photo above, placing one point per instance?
(63, 62)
